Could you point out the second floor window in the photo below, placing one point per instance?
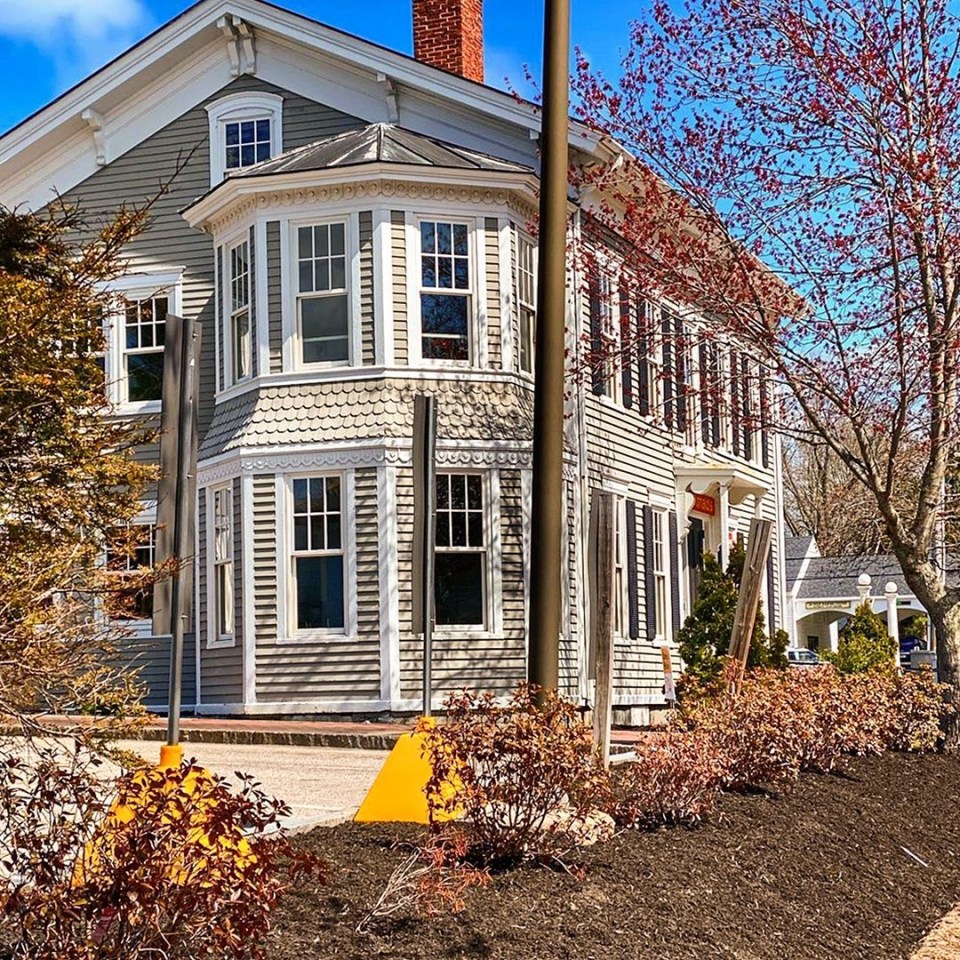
(322, 301)
(445, 292)
(240, 335)
(460, 578)
(246, 142)
(526, 302)
(144, 322)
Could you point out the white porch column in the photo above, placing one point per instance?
(893, 622)
(725, 522)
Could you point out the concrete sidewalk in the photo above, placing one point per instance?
(321, 785)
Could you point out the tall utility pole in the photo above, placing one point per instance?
(547, 516)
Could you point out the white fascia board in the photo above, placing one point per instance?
(234, 189)
(87, 93)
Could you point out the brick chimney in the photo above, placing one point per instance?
(449, 34)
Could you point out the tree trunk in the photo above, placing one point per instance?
(945, 617)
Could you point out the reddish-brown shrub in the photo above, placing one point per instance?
(527, 775)
(191, 873)
(757, 731)
(918, 708)
(674, 779)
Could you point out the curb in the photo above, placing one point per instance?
(354, 741)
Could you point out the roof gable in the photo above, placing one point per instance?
(190, 58)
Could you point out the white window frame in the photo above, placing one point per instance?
(237, 107)
(293, 360)
(287, 631)
(230, 315)
(214, 637)
(660, 564)
(133, 287)
(492, 626)
(471, 292)
(526, 309)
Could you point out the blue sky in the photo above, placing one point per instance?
(48, 45)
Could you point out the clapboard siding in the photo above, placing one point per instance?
(274, 297)
(333, 669)
(570, 628)
(367, 327)
(202, 584)
(491, 248)
(148, 658)
(264, 523)
(398, 267)
(368, 556)
(221, 667)
(254, 319)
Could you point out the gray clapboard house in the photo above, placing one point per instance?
(351, 226)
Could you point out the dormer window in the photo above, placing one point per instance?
(245, 129)
(247, 142)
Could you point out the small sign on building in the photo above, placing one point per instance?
(669, 688)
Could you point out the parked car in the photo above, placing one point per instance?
(802, 657)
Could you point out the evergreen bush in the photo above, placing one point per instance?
(863, 644)
(704, 638)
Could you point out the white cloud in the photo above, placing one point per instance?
(42, 20)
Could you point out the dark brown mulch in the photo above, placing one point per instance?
(818, 873)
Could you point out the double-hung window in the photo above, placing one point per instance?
(241, 341)
(526, 302)
(222, 564)
(322, 299)
(144, 322)
(445, 290)
(135, 557)
(318, 556)
(460, 582)
(660, 562)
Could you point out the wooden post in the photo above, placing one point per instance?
(603, 624)
(758, 546)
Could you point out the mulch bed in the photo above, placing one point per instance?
(817, 873)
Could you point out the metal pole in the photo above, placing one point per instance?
(425, 461)
(181, 524)
(546, 516)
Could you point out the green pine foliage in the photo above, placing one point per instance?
(863, 644)
(705, 636)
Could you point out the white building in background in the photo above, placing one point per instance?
(824, 592)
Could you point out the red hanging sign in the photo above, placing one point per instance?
(705, 504)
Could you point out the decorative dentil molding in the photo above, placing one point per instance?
(287, 461)
(374, 190)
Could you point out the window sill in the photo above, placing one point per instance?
(465, 633)
(137, 408)
(317, 636)
(224, 643)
